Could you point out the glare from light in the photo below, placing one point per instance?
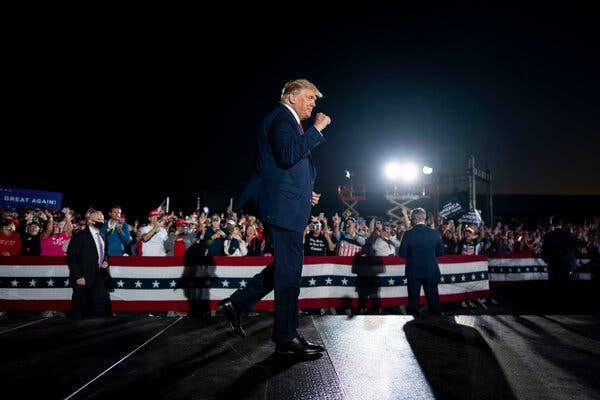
(406, 172)
(392, 170)
(427, 170)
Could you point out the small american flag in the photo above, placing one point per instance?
(348, 249)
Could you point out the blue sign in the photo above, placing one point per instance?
(473, 217)
(451, 209)
(19, 198)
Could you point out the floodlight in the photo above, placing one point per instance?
(392, 170)
(408, 172)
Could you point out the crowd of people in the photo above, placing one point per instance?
(46, 232)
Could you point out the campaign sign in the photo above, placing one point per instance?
(451, 209)
(19, 198)
(473, 218)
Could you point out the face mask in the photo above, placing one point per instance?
(98, 224)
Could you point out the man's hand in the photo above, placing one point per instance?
(315, 198)
(80, 281)
(321, 121)
(104, 265)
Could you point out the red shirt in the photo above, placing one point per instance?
(179, 247)
(10, 244)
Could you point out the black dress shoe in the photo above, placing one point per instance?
(233, 316)
(310, 345)
(296, 347)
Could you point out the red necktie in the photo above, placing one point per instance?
(301, 128)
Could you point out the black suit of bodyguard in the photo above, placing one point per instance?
(559, 252)
(87, 259)
(421, 246)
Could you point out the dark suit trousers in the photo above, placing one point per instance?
(93, 301)
(432, 296)
(284, 276)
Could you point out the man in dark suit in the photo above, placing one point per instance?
(282, 185)
(87, 259)
(421, 246)
(559, 252)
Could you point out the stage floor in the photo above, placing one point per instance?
(367, 357)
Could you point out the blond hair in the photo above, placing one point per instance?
(295, 87)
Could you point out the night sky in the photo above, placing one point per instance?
(163, 109)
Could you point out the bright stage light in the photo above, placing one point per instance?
(427, 170)
(406, 172)
(392, 170)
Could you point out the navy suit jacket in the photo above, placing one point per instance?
(282, 182)
(421, 246)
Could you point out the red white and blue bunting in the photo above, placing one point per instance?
(165, 283)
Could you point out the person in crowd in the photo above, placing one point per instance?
(349, 241)
(234, 246)
(30, 240)
(10, 241)
(525, 242)
(87, 259)
(386, 242)
(317, 241)
(117, 232)
(420, 246)
(253, 242)
(468, 245)
(180, 239)
(215, 237)
(285, 196)
(56, 236)
(153, 236)
(449, 241)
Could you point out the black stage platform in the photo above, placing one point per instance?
(471, 353)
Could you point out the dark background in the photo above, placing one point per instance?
(131, 108)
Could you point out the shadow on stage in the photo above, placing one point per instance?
(456, 360)
(197, 278)
(368, 286)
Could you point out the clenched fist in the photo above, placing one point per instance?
(321, 121)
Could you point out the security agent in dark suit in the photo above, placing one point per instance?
(421, 246)
(87, 259)
(559, 252)
(282, 187)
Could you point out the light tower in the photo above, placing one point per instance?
(350, 194)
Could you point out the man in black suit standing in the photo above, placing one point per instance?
(87, 259)
(559, 253)
(421, 246)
